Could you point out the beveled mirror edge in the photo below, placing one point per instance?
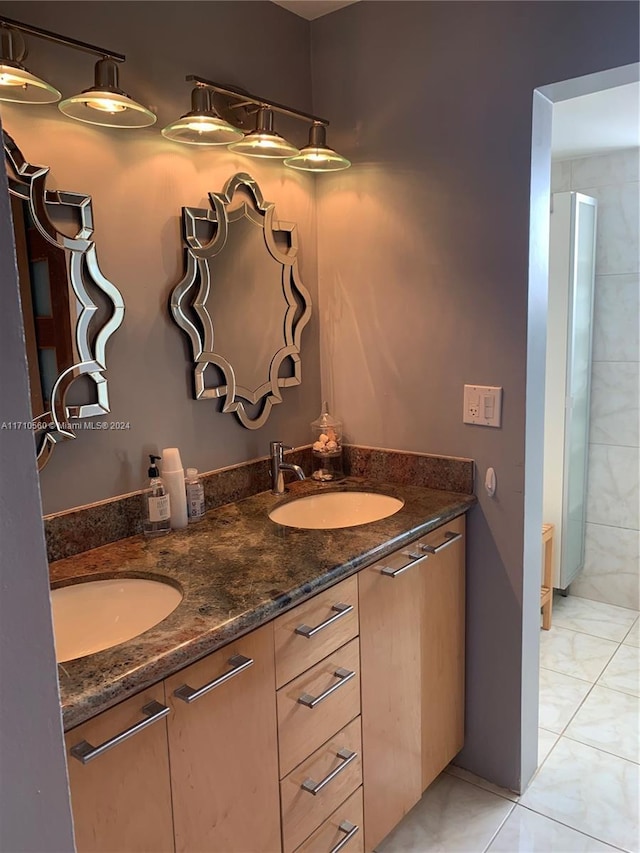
(27, 183)
(197, 274)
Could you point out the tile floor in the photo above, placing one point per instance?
(585, 795)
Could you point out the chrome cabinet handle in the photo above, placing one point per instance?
(153, 712)
(341, 610)
(346, 756)
(449, 538)
(238, 664)
(394, 573)
(351, 829)
(343, 675)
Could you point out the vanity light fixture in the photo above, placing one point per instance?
(104, 104)
(202, 125)
(18, 85)
(316, 156)
(264, 141)
(236, 106)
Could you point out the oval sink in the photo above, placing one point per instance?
(91, 616)
(330, 510)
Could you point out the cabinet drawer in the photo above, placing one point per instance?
(313, 630)
(338, 764)
(317, 704)
(121, 799)
(344, 827)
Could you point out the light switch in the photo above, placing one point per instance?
(482, 405)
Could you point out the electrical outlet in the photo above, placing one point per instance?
(482, 405)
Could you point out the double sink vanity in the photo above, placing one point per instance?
(303, 693)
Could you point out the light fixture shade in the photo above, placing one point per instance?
(17, 85)
(317, 156)
(264, 141)
(202, 125)
(105, 103)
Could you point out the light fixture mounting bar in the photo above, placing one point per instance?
(47, 35)
(246, 97)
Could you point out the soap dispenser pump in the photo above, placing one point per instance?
(156, 504)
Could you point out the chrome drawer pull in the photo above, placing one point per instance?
(346, 756)
(153, 711)
(341, 610)
(343, 675)
(351, 829)
(238, 664)
(394, 573)
(449, 538)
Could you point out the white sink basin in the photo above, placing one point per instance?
(92, 616)
(330, 510)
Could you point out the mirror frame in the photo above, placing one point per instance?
(27, 183)
(191, 294)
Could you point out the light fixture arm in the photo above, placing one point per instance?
(47, 35)
(246, 98)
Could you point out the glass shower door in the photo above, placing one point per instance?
(578, 383)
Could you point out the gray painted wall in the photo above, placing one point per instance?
(139, 183)
(423, 256)
(423, 270)
(34, 804)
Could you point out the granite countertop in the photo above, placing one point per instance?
(237, 570)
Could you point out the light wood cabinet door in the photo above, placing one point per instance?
(223, 750)
(443, 622)
(121, 799)
(391, 694)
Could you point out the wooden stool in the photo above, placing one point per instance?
(546, 592)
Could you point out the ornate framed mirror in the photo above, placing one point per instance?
(70, 310)
(241, 301)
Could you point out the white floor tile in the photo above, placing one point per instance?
(451, 816)
(633, 637)
(590, 791)
(525, 831)
(560, 697)
(571, 653)
(546, 742)
(623, 673)
(609, 720)
(460, 773)
(592, 617)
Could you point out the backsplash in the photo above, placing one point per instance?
(83, 528)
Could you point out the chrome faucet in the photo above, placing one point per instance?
(279, 466)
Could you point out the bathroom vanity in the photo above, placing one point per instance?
(302, 697)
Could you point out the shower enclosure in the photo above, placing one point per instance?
(568, 377)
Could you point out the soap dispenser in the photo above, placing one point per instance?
(156, 519)
(327, 447)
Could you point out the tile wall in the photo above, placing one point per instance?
(612, 563)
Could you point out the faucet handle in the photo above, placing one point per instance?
(277, 446)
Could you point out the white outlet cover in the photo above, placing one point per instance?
(482, 405)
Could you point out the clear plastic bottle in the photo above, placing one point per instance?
(156, 505)
(195, 496)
